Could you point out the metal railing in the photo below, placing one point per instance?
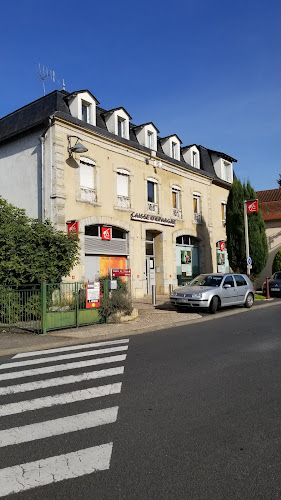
(197, 218)
(20, 307)
(177, 212)
(123, 201)
(152, 207)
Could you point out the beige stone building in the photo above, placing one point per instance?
(139, 201)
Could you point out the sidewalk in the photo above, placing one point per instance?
(150, 318)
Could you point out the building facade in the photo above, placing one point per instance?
(270, 205)
(139, 201)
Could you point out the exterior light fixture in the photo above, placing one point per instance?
(78, 146)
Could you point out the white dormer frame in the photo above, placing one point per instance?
(147, 135)
(223, 168)
(191, 155)
(114, 118)
(171, 146)
(83, 99)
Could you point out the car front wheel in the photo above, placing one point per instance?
(249, 301)
(214, 305)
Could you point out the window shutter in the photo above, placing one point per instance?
(86, 176)
(122, 185)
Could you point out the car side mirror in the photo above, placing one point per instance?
(226, 286)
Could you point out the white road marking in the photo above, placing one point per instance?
(60, 399)
(54, 382)
(51, 470)
(41, 430)
(69, 348)
(62, 357)
(62, 367)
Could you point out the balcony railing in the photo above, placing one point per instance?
(88, 194)
(177, 213)
(123, 201)
(197, 218)
(152, 207)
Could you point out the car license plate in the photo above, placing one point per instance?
(183, 301)
(275, 289)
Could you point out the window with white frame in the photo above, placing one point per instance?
(150, 139)
(174, 150)
(152, 204)
(223, 213)
(176, 202)
(85, 112)
(87, 180)
(197, 217)
(121, 126)
(123, 194)
(227, 171)
(195, 159)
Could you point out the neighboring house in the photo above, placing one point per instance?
(270, 205)
(140, 201)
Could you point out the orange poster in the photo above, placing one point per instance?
(108, 262)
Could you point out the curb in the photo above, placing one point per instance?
(70, 339)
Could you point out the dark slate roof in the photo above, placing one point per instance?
(223, 155)
(33, 114)
(269, 195)
(55, 104)
(168, 136)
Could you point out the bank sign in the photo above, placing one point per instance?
(152, 218)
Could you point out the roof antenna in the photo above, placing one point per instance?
(44, 73)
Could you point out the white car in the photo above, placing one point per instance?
(213, 291)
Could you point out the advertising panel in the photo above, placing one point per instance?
(186, 262)
(93, 294)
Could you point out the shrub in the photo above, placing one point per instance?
(118, 302)
(276, 266)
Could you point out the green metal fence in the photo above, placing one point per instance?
(46, 307)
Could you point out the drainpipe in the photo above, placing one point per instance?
(42, 141)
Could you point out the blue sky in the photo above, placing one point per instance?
(206, 70)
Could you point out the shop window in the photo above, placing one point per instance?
(123, 198)
(187, 258)
(197, 216)
(92, 230)
(176, 202)
(186, 240)
(152, 204)
(87, 180)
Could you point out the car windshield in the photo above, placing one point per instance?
(277, 276)
(207, 280)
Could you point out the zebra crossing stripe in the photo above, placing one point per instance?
(63, 367)
(54, 469)
(54, 382)
(62, 357)
(59, 426)
(60, 399)
(69, 348)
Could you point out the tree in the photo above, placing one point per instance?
(276, 266)
(32, 250)
(279, 180)
(235, 230)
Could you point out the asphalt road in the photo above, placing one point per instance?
(198, 417)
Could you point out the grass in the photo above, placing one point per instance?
(259, 297)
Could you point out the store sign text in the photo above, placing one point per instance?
(152, 218)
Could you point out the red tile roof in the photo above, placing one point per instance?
(271, 209)
(269, 195)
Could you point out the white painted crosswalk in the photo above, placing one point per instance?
(80, 384)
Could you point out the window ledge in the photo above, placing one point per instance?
(123, 209)
(93, 203)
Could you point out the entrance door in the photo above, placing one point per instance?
(150, 273)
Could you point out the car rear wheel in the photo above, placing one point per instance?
(249, 301)
(214, 305)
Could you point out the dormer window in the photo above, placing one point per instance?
(191, 155)
(146, 135)
(117, 122)
(150, 141)
(85, 112)
(171, 146)
(223, 165)
(174, 150)
(82, 105)
(121, 127)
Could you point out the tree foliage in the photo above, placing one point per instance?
(32, 250)
(279, 180)
(276, 266)
(235, 230)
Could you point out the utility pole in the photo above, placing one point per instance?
(250, 206)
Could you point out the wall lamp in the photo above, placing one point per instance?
(78, 146)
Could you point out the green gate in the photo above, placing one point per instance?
(46, 307)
